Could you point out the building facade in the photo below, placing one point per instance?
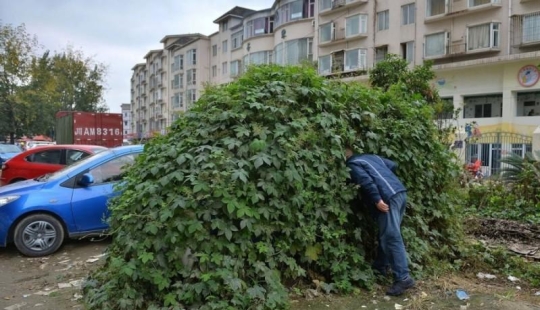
(485, 55)
(126, 120)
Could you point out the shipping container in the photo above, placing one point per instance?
(105, 129)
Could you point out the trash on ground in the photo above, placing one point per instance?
(462, 295)
(64, 285)
(464, 307)
(76, 283)
(423, 294)
(76, 297)
(46, 293)
(398, 306)
(488, 276)
(387, 298)
(537, 293)
(513, 279)
(92, 260)
(518, 288)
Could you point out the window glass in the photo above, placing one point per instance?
(74, 156)
(112, 170)
(45, 157)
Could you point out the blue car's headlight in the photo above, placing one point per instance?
(4, 200)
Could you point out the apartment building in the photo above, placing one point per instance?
(188, 56)
(126, 120)
(485, 55)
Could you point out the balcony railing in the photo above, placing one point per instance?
(337, 5)
(459, 8)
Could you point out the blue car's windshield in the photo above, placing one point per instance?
(69, 169)
(9, 148)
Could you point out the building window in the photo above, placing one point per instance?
(473, 3)
(311, 8)
(257, 27)
(482, 106)
(278, 53)
(383, 20)
(325, 4)
(435, 7)
(258, 58)
(214, 50)
(177, 81)
(325, 64)
(531, 28)
(356, 59)
(356, 25)
(236, 40)
(290, 11)
(191, 78)
(225, 26)
(407, 50)
(380, 53)
(235, 68)
(214, 71)
(191, 97)
(177, 100)
(299, 50)
(325, 32)
(435, 44)
(192, 57)
(224, 46)
(224, 68)
(528, 104)
(483, 36)
(407, 14)
(178, 63)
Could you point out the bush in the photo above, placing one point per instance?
(247, 195)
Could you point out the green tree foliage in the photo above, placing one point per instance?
(16, 54)
(34, 87)
(416, 84)
(247, 194)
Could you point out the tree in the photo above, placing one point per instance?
(416, 85)
(16, 53)
(33, 88)
(395, 70)
(79, 81)
(247, 194)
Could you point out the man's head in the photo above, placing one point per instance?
(348, 152)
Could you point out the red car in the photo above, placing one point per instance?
(44, 159)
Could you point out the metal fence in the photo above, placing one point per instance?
(491, 147)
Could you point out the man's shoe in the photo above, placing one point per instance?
(400, 287)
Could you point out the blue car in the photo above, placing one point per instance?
(37, 215)
(7, 151)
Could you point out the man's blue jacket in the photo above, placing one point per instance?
(376, 177)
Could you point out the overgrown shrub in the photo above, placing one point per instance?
(252, 182)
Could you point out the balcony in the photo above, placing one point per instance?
(338, 35)
(341, 5)
(454, 9)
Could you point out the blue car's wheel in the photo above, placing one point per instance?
(38, 235)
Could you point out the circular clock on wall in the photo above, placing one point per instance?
(528, 75)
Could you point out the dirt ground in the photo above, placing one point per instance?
(53, 283)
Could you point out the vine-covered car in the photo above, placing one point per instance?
(38, 214)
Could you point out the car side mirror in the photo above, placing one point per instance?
(86, 179)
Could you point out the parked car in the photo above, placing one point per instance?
(7, 151)
(33, 144)
(38, 214)
(44, 159)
